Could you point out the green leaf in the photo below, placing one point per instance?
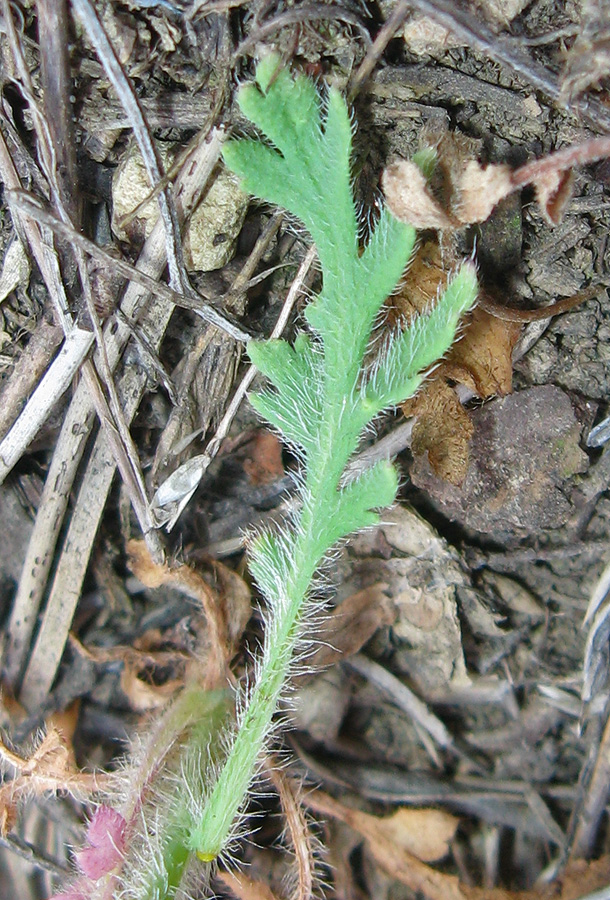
(295, 407)
(351, 508)
(308, 172)
(398, 372)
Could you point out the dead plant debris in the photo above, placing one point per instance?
(455, 714)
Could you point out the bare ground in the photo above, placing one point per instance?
(458, 675)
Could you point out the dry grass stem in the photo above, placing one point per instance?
(96, 481)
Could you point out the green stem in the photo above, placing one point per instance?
(212, 833)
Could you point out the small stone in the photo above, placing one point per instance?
(524, 450)
(210, 235)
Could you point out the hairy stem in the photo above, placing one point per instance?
(227, 797)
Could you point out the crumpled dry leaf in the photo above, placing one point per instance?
(466, 192)
(481, 360)
(442, 429)
(553, 193)
(144, 696)
(410, 199)
(244, 887)
(348, 627)
(49, 769)
(263, 460)
(227, 607)
(423, 833)
(480, 189)
(588, 59)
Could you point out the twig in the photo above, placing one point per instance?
(57, 379)
(236, 295)
(303, 13)
(53, 30)
(402, 696)
(562, 160)
(301, 837)
(33, 855)
(61, 173)
(588, 812)
(178, 278)
(469, 27)
(32, 207)
(69, 449)
(375, 51)
(28, 370)
(193, 471)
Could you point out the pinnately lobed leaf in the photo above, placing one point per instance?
(185, 791)
(321, 398)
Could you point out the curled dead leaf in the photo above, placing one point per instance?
(263, 462)
(245, 888)
(442, 429)
(226, 605)
(144, 696)
(351, 624)
(481, 361)
(423, 833)
(480, 189)
(50, 768)
(482, 358)
(467, 192)
(553, 193)
(409, 197)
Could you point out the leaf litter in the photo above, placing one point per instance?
(498, 651)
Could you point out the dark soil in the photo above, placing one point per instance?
(472, 596)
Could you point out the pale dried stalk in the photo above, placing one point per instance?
(31, 207)
(66, 458)
(236, 298)
(55, 138)
(85, 11)
(297, 824)
(27, 372)
(57, 379)
(194, 470)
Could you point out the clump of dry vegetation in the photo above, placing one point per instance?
(455, 708)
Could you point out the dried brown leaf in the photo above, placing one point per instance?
(244, 887)
(442, 429)
(480, 189)
(144, 696)
(588, 59)
(49, 769)
(263, 463)
(232, 606)
(409, 197)
(424, 279)
(424, 833)
(482, 358)
(352, 624)
(236, 600)
(553, 193)
(466, 192)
